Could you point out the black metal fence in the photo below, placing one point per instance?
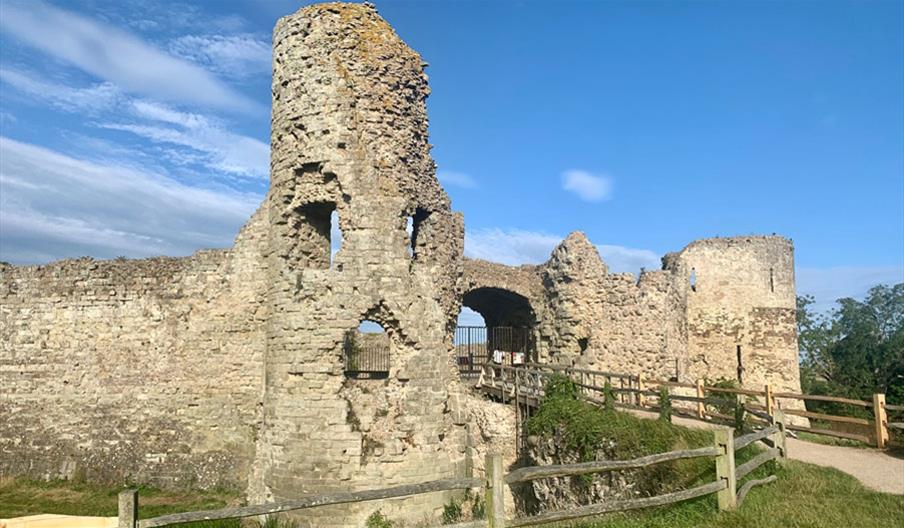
(477, 345)
(366, 355)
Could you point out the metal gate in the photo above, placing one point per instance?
(475, 346)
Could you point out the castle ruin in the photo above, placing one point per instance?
(225, 368)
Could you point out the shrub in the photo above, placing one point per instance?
(452, 512)
(378, 520)
(665, 405)
(608, 396)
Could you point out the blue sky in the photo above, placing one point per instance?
(141, 128)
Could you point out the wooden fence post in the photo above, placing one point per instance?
(881, 418)
(494, 492)
(641, 397)
(128, 509)
(778, 439)
(701, 408)
(725, 468)
(770, 400)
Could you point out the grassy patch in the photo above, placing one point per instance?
(804, 496)
(20, 497)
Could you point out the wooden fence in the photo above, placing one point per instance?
(697, 400)
(725, 486)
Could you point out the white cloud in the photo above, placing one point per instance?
(117, 56)
(211, 144)
(512, 247)
(101, 96)
(827, 285)
(54, 206)
(456, 179)
(236, 56)
(624, 259)
(587, 186)
(515, 247)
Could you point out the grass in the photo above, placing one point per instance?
(20, 497)
(803, 496)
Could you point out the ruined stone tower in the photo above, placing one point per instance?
(349, 135)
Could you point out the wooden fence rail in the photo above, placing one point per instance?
(637, 393)
(495, 480)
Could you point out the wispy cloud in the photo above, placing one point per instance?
(210, 142)
(54, 206)
(236, 56)
(510, 246)
(827, 285)
(624, 259)
(95, 98)
(515, 247)
(117, 56)
(456, 179)
(588, 187)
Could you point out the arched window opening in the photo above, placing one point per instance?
(366, 351)
(772, 280)
(335, 238)
(693, 279)
(583, 343)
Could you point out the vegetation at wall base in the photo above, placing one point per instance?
(588, 429)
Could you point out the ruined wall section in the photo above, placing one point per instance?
(610, 322)
(349, 134)
(134, 370)
(739, 292)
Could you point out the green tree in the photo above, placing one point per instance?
(857, 349)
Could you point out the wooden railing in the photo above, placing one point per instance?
(633, 391)
(725, 486)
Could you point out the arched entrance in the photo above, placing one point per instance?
(507, 336)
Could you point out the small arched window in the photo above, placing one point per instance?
(693, 279)
(365, 351)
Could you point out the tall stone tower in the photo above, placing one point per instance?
(349, 138)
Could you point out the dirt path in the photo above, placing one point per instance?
(875, 469)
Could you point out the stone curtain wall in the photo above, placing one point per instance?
(133, 370)
(658, 324)
(349, 134)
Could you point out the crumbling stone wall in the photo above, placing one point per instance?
(134, 371)
(665, 323)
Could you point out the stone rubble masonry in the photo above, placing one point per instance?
(225, 368)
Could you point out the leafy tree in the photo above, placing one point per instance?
(857, 349)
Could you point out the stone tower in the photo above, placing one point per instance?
(349, 137)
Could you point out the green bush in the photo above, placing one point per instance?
(665, 405)
(378, 520)
(451, 512)
(587, 429)
(608, 396)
